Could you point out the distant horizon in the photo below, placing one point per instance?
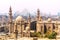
(27, 12)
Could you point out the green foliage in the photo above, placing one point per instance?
(35, 34)
(51, 35)
(47, 33)
(38, 34)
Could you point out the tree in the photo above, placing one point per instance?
(36, 34)
(52, 35)
(47, 33)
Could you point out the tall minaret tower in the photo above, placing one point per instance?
(39, 25)
(29, 18)
(38, 14)
(38, 18)
(10, 20)
(29, 24)
(29, 21)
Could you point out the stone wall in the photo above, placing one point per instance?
(26, 38)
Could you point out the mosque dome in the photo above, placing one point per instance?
(49, 19)
(19, 18)
(27, 28)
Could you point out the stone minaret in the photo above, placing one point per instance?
(29, 19)
(10, 20)
(37, 19)
(39, 25)
(38, 14)
(29, 23)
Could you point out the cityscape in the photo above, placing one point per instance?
(20, 28)
(29, 20)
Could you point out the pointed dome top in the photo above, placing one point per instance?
(19, 18)
(10, 9)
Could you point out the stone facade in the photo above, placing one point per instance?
(24, 26)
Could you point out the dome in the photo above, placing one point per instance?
(49, 19)
(27, 28)
(19, 18)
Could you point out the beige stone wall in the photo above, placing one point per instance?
(37, 27)
(49, 26)
(56, 27)
(19, 28)
(40, 26)
(29, 38)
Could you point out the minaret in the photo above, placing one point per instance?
(29, 24)
(29, 18)
(10, 20)
(39, 25)
(10, 15)
(38, 14)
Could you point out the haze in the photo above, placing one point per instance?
(45, 6)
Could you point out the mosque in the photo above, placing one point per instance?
(24, 27)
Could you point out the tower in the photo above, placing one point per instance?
(37, 19)
(38, 14)
(10, 20)
(29, 18)
(39, 23)
(28, 26)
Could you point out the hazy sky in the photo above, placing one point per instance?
(45, 6)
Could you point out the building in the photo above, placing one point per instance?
(23, 27)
